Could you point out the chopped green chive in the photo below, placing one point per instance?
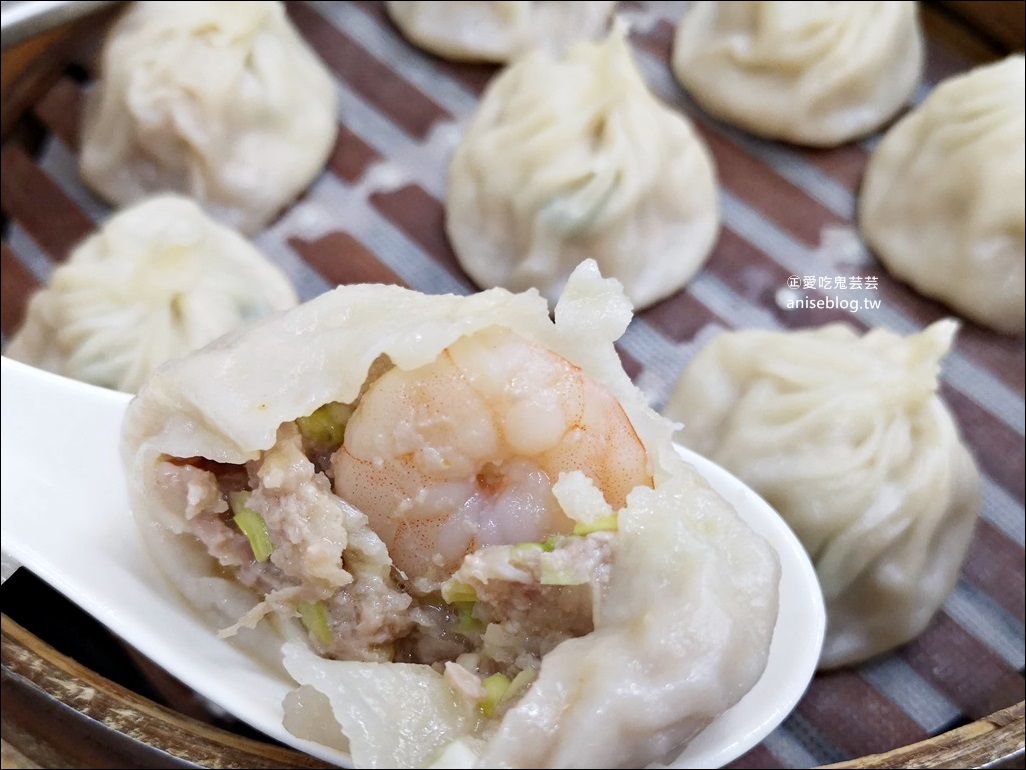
(495, 687)
(454, 591)
(466, 622)
(560, 575)
(604, 524)
(252, 525)
(326, 427)
(520, 683)
(522, 547)
(315, 618)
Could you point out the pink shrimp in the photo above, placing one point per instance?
(462, 453)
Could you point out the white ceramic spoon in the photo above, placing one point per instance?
(66, 518)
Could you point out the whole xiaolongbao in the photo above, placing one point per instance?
(575, 158)
(221, 101)
(943, 199)
(814, 73)
(158, 280)
(497, 31)
(847, 437)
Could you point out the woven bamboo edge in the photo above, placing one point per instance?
(43, 687)
(993, 741)
(58, 713)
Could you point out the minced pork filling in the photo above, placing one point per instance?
(279, 527)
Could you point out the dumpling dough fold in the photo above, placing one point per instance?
(220, 101)
(814, 73)
(497, 31)
(848, 438)
(682, 627)
(943, 200)
(157, 280)
(574, 158)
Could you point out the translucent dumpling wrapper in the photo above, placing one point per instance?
(574, 158)
(848, 438)
(943, 200)
(813, 73)
(156, 281)
(473, 535)
(497, 31)
(220, 101)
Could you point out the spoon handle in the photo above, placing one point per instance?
(58, 454)
(23, 20)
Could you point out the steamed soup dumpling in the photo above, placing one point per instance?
(158, 280)
(469, 526)
(847, 437)
(575, 158)
(497, 31)
(221, 101)
(943, 199)
(813, 73)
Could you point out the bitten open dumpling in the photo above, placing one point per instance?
(157, 280)
(814, 73)
(498, 31)
(221, 101)
(847, 437)
(466, 511)
(943, 201)
(575, 158)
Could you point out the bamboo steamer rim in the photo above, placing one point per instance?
(47, 684)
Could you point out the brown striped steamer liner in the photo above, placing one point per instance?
(376, 214)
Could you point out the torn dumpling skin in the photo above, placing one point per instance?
(460, 522)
